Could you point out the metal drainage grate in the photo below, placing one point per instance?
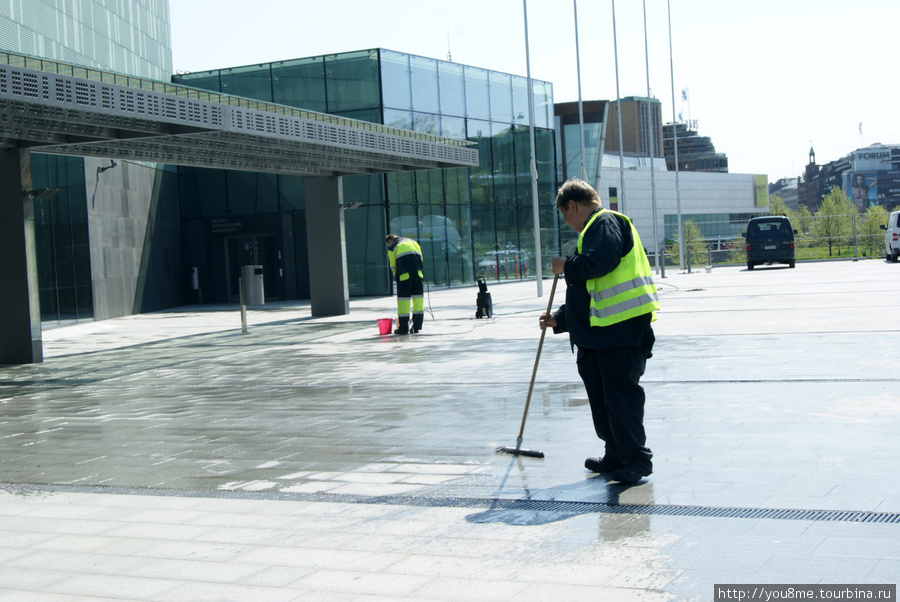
(574, 508)
(489, 504)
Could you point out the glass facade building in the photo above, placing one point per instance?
(469, 221)
(570, 122)
(126, 36)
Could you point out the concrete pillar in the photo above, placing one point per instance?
(20, 307)
(329, 291)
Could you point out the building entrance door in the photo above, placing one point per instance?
(253, 249)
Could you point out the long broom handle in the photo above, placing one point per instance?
(536, 360)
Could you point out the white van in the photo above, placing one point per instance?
(892, 237)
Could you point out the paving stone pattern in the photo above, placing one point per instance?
(168, 456)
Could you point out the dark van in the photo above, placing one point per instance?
(770, 239)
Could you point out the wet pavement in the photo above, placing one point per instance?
(168, 456)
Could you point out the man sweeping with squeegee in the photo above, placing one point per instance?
(610, 302)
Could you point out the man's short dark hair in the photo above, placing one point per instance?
(577, 190)
(390, 238)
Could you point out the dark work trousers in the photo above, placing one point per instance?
(617, 402)
(410, 296)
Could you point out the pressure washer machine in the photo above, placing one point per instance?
(484, 307)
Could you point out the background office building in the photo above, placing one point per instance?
(695, 152)
(873, 177)
(720, 204)
(464, 218)
(641, 135)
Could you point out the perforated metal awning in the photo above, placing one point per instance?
(65, 109)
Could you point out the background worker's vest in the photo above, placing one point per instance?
(626, 292)
(405, 258)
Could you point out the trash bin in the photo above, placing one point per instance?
(195, 295)
(252, 283)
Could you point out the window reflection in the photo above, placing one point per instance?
(478, 99)
(501, 97)
(543, 104)
(398, 119)
(396, 91)
(424, 80)
(351, 81)
(452, 89)
(426, 123)
(253, 81)
(520, 100)
(453, 127)
(300, 83)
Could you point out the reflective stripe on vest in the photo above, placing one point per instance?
(626, 292)
(405, 247)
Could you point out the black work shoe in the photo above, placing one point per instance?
(629, 474)
(602, 465)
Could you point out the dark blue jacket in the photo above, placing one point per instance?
(604, 244)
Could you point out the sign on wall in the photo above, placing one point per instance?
(762, 190)
(871, 159)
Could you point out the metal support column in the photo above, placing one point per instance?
(329, 290)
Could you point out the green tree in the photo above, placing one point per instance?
(833, 225)
(802, 220)
(695, 248)
(739, 251)
(870, 235)
(777, 206)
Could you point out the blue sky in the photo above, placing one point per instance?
(765, 79)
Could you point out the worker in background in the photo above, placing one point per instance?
(610, 301)
(405, 258)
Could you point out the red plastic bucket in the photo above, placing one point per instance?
(384, 325)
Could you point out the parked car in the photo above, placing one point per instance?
(770, 239)
(892, 237)
(406, 225)
(504, 263)
(437, 227)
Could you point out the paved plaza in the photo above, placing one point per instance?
(169, 456)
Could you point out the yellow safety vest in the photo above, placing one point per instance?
(410, 249)
(626, 292)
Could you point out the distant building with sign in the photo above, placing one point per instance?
(874, 177)
(869, 176)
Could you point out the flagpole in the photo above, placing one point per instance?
(675, 143)
(580, 105)
(621, 195)
(539, 274)
(652, 151)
